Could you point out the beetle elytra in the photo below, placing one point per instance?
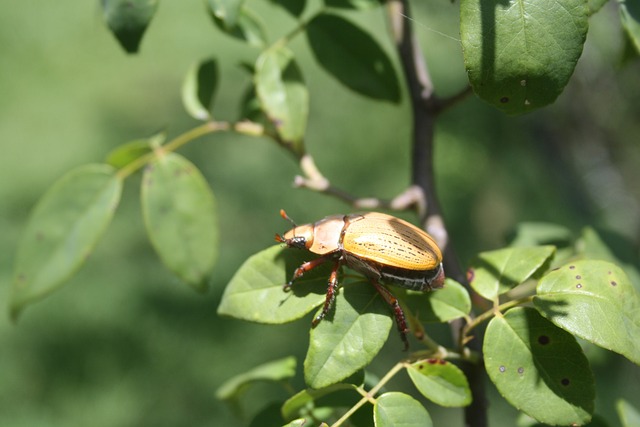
(385, 249)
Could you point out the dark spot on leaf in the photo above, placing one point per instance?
(521, 370)
(578, 277)
(432, 361)
(579, 285)
(504, 99)
(420, 367)
(544, 340)
(614, 283)
(442, 361)
(502, 368)
(470, 275)
(572, 267)
(565, 381)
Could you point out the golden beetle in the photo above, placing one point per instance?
(382, 247)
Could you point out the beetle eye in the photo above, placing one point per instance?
(299, 242)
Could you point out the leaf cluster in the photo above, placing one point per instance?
(537, 305)
(534, 299)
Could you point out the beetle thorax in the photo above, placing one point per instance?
(327, 235)
(320, 238)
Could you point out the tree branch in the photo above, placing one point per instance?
(425, 107)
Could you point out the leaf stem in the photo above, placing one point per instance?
(369, 396)
(493, 312)
(173, 145)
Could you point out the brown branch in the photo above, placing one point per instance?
(425, 107)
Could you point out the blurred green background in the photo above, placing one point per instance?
(125, 344)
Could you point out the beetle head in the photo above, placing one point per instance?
(300, 237)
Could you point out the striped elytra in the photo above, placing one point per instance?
(390, 241)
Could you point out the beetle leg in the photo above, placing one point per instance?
(397, 311)
(332, 288)
(307, 266)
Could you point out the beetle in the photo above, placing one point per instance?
(385, 249)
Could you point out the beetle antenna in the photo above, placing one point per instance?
(284, 215)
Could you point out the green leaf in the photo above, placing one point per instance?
(353, 57)
(294, 7)
(496, 272)
(255, 292)
(629, 415)
(128, 20)
(596, 5)
(441, 382)
(595, 301)
(619, 251)
(353, 4)
(248, 27)
(199, 88)
(126, 153)
(448, 303)
(268, 416)
(308, 398)
(520, 54)
(394, 409)
(276, 370)
(282, 93)
(539, 368)
(180, 217)
(226, 11)
(541, 233)
(296, 423)
(349, 337)
(630, 18)
(62, 231)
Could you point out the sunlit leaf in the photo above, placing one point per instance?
(443, 305)
(629, 415)
(276, 370)
(128, 20)
(541, 233)
(539, 368)
(256, 292)
(226, 11)
(496, 272)
(247, 27)
(180, 217)
(398, 409)
(349, 337)
(591, 245)
(594, 300)
(296, 423)
(318, 397)
(441, 382)
(128, 152)
(294, 7)
(353, 4)
(62, 231)
(630, 18)
(520, 54)
(353, 57)
(199, 88)
(282, 93)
